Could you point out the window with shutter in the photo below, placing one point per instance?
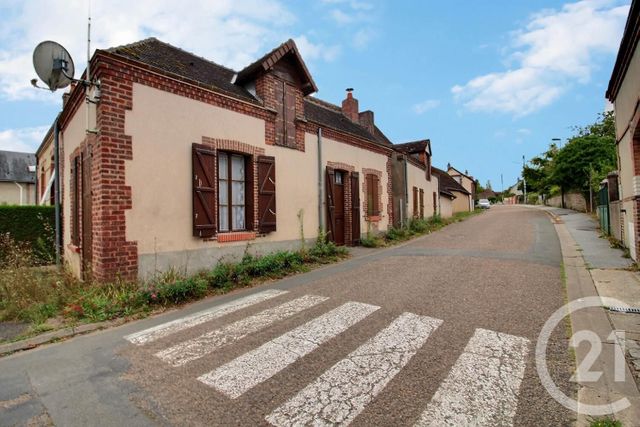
(204, 190)
(421, 203)
(373, 196)
(266, 194)
(415, 202)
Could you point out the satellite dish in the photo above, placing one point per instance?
(53, 65)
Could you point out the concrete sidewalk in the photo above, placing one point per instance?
(594, 268)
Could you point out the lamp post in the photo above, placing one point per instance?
(524, 182)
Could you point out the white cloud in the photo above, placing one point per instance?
(424, 106)
(555, 49)
(524, 131)
(25, 140)
(229, 32)
(313, 51)
(340, 17)
(363, 37)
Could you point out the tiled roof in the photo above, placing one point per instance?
(330, 115)
(270, 59)
(174, 60)
(171, 59)
(412, 147)
(447, 183)
(14, 167)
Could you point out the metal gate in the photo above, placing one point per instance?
(603, 210)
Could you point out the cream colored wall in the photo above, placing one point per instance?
(446, 207)
(416, 177)
(624, 105)
(10, 194)
(70, 139)
(333, 151)
(160, 172)
(461, 202)
(44, 161)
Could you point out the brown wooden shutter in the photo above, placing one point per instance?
(280, 109)
(415, 202)
(421, 203)
(290, 115)
(375, 184)
(266, 194)
(331, 207)
(355, 208)
(204, 190)
(435, 203)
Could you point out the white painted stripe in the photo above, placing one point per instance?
(184, 352)
(342, 392)
(159, 331)
(483, 386)
(256, 366)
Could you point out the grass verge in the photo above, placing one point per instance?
(414, 228)
(48, 298)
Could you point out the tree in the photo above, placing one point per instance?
(587, 158)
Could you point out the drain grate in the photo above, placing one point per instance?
(634, 310)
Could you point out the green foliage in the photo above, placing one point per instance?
(372, 241)
(604, 422)
(33, 226)
(325, 251)
(581, 164)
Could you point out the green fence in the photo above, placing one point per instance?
(603, 210)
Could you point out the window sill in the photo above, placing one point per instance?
(375, 218)
(237, 236)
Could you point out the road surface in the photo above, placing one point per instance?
(439, 331)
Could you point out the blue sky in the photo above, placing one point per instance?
(487, 82)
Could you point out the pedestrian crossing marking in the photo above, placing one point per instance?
(245, 372)
(154, 333)
(482, 387)
(343, 391)
(193, 349)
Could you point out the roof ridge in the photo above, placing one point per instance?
(323, 103)
(139, 42)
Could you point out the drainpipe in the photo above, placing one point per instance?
(320, 186)
(20, 187)
(56, 165)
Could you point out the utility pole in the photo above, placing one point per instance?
(501, 188)
(524, 182)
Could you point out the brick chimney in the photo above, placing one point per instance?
(366, 121)
(350, 106)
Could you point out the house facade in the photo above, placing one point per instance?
(467, 203)
(624, 92)
(182, 162)
(17, 178)
(453, 197)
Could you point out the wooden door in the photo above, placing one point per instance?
(338, 200)
(355, 208)
(87, 231)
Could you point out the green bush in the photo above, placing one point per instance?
(31, 225)
(418, 226)
(325, 251)
(371, 241)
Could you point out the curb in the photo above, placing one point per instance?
(579, 284)
(68, 332)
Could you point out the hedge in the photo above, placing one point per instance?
(34, 225)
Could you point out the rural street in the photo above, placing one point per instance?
(439, 331)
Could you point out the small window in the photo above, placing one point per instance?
(231, 192)
(338, 177)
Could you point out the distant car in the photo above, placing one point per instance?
(484, 204)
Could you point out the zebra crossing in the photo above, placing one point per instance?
(481, 388)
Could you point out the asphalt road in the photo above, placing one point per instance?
(440, 331)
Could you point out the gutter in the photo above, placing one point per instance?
(321, 222)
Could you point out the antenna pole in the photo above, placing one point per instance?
(89, 45)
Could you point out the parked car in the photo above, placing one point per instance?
(484, 204)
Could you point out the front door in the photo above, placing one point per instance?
(87, 238)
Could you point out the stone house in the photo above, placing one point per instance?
(183, 162)
(17, 178)
(453, 197)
